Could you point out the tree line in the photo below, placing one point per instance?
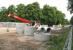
(46, 15)
(70, 8)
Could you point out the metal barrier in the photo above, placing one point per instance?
(68, 42)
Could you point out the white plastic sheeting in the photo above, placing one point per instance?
(29, 30)
(8, 24)
(7, 27)
(20, 28)
(11, 24)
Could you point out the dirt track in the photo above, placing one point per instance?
(9, 41)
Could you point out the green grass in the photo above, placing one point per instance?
(58, 42)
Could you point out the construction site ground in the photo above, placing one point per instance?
(12, 41)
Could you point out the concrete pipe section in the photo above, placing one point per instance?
(29, 30)
(41, 36)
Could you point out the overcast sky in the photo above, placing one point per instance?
(59, 4)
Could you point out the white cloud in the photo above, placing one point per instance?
(60, 4)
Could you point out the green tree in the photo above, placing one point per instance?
(11, 9)
(52, 15)
(3, 17)
(47, 14)
(32, 11)
(70, 6)
(71, 21)
(60, 17)
(66, 22)
(20, 10)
